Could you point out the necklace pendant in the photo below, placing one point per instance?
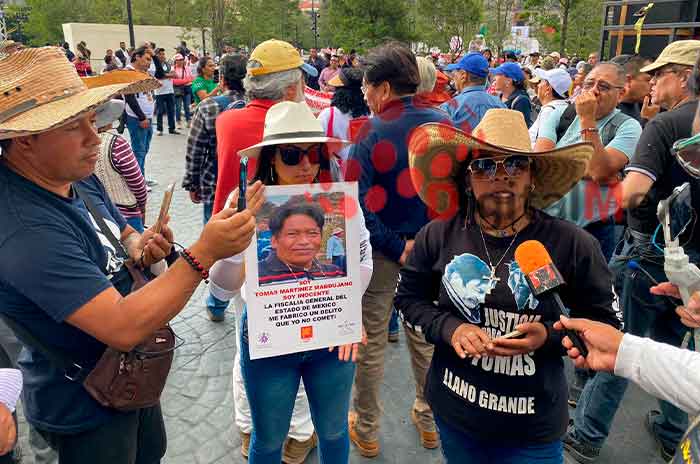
(493, 277)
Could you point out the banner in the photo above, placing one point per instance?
(317, 101)
(303, 274)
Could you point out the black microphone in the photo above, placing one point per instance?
(544, 279)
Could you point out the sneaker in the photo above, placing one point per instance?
(245, 444)
(394, 337)
(368, 449)
(650, 422)
(160, 133)
(428, 438)
(175, 132)
(578, 450)
(296, 452)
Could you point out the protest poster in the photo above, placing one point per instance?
(303, 270)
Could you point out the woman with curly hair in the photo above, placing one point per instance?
(348, 109)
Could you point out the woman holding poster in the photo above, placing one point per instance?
(496, 382)
(294, 151)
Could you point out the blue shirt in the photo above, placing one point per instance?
(392, 209)
(334, 247)
(468, 107)
(52, 262)
(582, 204)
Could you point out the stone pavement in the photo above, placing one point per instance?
(198, 400)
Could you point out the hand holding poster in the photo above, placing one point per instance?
(303, 274)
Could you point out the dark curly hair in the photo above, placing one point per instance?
(350, 100)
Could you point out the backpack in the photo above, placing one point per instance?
(226, 103)
(606, 136)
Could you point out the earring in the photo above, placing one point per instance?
(532, 187)
(272, 173)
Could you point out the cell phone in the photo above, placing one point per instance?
(164, 208)
(513, 334)
(242, 183)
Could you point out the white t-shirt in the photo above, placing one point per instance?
(545, 112)
(166, 85)
(341, 127)
(146, 102)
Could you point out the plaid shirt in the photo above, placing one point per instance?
(201, 164)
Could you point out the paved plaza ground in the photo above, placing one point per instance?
(198, 400)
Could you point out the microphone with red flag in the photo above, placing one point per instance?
(544, 279)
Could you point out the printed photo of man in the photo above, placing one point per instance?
(297, 237)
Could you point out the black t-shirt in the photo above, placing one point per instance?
(632, 110)
(515, 400)
(653, 158)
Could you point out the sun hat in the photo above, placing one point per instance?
(40, 90)
(437, 151)
(558, 78)
(347, 77)
(289, 123)
(510, 70)
(556, 56)
(108, 112)
(274, 56)
(683, 52)
(473, 63)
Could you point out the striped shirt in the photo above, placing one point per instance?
(10, 387)
(125, 164)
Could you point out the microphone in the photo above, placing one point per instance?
(634, 265)
(544, 279)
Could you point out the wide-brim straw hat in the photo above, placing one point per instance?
(437, 151)
(41, 90)
(292, 123)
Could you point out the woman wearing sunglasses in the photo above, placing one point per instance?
(295, 150)
(495, 398)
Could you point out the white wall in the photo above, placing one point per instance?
(100, 37)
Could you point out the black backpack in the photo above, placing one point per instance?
(606, 136)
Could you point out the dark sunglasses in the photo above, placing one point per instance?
(292, 155)
(514, 165)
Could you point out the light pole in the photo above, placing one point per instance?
(314, 27)
(130, 19)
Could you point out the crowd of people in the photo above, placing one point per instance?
(459, 162)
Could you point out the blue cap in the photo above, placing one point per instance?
(510, 70)
(473, 63)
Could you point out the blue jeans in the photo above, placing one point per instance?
(136, 223)
(458, 448)
(644, 314)
(208, 211)
(604, 232)
(272, 385)
(140, 141)
(165, 104)
(394, 321)
(184, 100)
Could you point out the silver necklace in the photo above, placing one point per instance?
(492, 278)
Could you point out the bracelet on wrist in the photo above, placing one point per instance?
(589, 130)
(193, 262)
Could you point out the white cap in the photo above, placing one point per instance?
(558, 78)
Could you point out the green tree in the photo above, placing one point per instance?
(498, 19)
(579, 36)
(362, 24)
(439, 20)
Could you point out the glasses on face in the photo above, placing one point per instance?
(514, 165)
(292, 155)
(659, 73)
(687, 152)
(602, 85)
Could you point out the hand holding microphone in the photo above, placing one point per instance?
(544, 279)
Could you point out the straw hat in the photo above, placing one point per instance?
(41, 90)
(437, 151)
(291, 123)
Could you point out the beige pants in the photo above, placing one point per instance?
(377, 304)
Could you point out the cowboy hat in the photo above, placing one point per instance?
(347, 77)
(41, 90)
(290, 123)
(436, 153)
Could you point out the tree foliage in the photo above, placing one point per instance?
(576, 24)
(363, 24)
(439, 20)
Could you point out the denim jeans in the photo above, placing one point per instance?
(272, 384)
(394, 322)
(458, 448)
(165, 104)
(208, 211)
(604, 232)
(644, 314)
(183, 101)
(140, 140)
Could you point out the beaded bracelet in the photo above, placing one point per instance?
(193, 262)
